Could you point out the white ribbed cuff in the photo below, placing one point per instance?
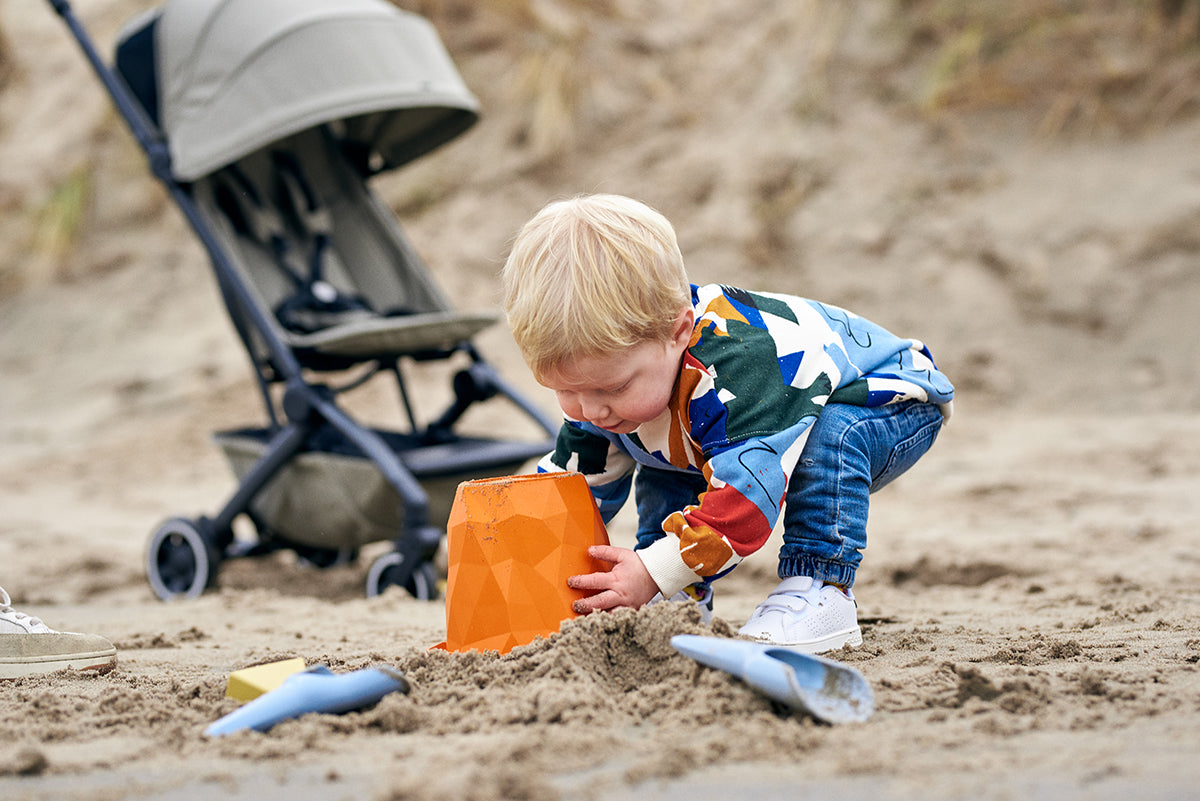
(666, 566)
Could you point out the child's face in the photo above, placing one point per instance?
(621, 391)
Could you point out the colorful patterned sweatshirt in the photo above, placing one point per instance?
(758, 371)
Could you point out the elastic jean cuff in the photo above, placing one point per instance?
(829, 572)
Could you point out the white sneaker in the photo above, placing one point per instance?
(806, 614)
(28, 646)
(701, 594)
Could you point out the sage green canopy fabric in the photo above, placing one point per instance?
(235, 75)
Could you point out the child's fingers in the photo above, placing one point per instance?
(591, 581)
(607, 553)
(603, 587)
(595, 603)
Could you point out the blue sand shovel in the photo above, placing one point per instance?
(314, 690)
(825, 689)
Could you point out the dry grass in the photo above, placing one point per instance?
(5, 59)
(559, 57)
(54, 228)
(1079, 65)
(560, 68)
(59, 222)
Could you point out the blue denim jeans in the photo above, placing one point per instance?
(851, 452)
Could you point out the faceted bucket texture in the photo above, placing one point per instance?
(512, 542)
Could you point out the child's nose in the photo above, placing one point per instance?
(594, 410)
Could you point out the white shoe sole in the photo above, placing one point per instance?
(831, 642)
(98, 662)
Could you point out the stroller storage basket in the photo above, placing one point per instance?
(330, 497)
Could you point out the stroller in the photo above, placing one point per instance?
(265, 119)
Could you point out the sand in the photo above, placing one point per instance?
(1030, 597)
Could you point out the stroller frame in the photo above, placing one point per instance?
(184, 554)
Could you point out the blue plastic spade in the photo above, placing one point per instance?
(317, 689)
(825, 689)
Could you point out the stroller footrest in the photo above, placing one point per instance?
(394, 336)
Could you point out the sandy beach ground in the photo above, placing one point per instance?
(1030, 596)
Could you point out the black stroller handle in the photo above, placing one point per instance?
(131, 110)
(159, 156)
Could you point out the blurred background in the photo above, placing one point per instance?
(1016, 184)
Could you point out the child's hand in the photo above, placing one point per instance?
(627, 584)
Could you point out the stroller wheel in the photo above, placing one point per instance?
(180, 560)
(387, 569)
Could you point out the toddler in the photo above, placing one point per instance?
(722, 408)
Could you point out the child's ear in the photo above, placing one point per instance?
(685, 321)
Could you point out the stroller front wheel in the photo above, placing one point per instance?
(384, 572)
(180, 561)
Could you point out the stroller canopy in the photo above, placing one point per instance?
(236, 75)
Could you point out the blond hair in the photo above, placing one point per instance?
(592, 276)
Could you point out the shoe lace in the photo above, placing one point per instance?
(7, 610)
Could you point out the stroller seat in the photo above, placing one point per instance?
(317, 247)
(371, 337)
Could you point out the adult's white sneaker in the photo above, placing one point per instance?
(28, 646)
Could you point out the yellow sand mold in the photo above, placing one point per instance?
(249, 683)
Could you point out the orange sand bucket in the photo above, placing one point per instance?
(512, 542)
